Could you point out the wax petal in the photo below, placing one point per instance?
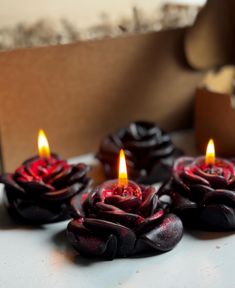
(128, 219)
(226, 197)
(62, 177)
(149, 204)
(179, 183)
(214, 180)
(165, 236)
(36, 188)
(9, 181)
(88, 243)
(126, 237)
(100, 206)
(149, 222)
(190, 177)
(74, 209)
(63, 194)
(181, 202)
(199, 191)
(217, 217)
(33, 213)
(129, 204)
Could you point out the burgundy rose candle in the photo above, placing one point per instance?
(44, 188)
(150, 152)
(121, 218)
(202, 191)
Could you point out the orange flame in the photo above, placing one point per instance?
(43, 145)
(210, 153)
(122, 173)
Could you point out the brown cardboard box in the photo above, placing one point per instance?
(210, 44)
(214, 112)
(80, 92)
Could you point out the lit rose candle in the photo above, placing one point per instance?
(42, 189)
(202, 191)
(121, 218)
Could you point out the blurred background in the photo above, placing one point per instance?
(28, 23)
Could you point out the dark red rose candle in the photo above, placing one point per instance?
(150, 152)
(44, 188)
(202, 191)
(122, 218)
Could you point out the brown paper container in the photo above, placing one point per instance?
(215, 113)
(80, 92)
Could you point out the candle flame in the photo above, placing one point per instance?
(210, 153)
(122, 173)
(43, 145)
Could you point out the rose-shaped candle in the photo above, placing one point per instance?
(122, 218)
(44, 188)
(149, 150)
(202, 191)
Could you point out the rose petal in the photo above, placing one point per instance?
(126, 237)
(217, 217)
(189, 176)
(165, 236)
(231, 184)
(181, 163)
(180, 203)
(75, 207)
(53, 172)
(101, 206)
(126, 204)
(63, 194)
(22, 174)
(215, 181)
(163, 151)
(199, 191)
(148, 222)
(179, 183)
(226, 197)
(128, 219)
(87, 243)
(33, 213)
(36, 188)
(9, 181)
(149, 204)
(62, 177)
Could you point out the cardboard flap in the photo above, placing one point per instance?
(210, 42)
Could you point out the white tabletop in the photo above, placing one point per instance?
(31, 257)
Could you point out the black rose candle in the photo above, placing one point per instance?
(202, 191)
(121, 219)
(44, 187)
(149, 150)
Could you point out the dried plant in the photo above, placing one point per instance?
(47, 32)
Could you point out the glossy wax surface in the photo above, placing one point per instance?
(41, 258)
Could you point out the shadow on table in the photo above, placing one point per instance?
(208, 235)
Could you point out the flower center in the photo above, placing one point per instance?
(111, 188)
(221, 167)
(212, 169)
